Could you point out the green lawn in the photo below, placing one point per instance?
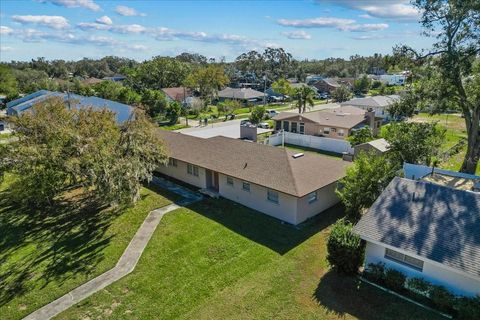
(44, 255)
(220, 260)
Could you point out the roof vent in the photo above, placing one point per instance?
(297, 155)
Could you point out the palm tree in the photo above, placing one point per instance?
(304, 96)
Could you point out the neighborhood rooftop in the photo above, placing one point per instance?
(326, 118)
(432, 221)
(122, 111)
(240, 93)
(268, 166)
(372, 102)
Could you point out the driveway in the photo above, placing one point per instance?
(230, 129)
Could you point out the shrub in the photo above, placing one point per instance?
(442, 298)
(376, 272)
(345, 249)
(468, 308)
(394, 279)
(419, 286)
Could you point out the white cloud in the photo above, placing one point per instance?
(121, 28)
(365, 27)
(387, 9)
(93, 25)
(105, 20)
(56, 22)
(321, 22)
(299, 34)
(87, 4)
(128, 12)
(365, 16)
(5, 30)
(5, 49)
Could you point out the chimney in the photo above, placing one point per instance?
(370, 116)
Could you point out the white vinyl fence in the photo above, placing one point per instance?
(320, 143)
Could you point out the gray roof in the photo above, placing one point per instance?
(381, 145)
(373, 102)
(240, 93)
(432, 221)
(18, 106)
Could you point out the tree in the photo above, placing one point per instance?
(228, 106)
(455, 25)
(283, 87)
(60, 149)
(173, 112)
(207, 81)
(117, 92)
(304, 96)
(8, 83)
(361, 136)
(257, 115)
(414, 142)
(361, 85)
(364, 182)
(345, 250)
(154, 102)
(341, 94)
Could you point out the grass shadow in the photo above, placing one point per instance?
(263, 229)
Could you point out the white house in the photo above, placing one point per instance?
(379, 104)
(393, 79)
(428, 230)
(288, 186)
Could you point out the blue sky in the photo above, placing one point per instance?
(73, 29)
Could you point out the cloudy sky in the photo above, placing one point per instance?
(73, 29)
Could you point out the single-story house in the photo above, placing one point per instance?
(245, 95)
(276, 181)
(379, 146)
(16, 107)
(179, 94)
(379, 104)
(116, 78)
(330, 84)
(428, 230)
(335, 123)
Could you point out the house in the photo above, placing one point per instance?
(393, 79)
(276, 181)
(330, 84)
(116, 78)
(179, 94)
(245, 95)
(426, 229)
(378, 146)
(16, 107)
(336, 123)
(379, 104)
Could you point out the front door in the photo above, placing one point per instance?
(215, 181)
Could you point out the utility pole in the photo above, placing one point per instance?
(264, 90)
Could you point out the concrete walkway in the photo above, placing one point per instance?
(127, 261)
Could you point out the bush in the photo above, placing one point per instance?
(467, 308)
(376, 272)
(442, 298)
(419, 286)
(345, 249)
(395, 279)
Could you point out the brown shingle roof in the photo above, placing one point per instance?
(268, 166)
(177, 93)
(326, 118)
(240, 93)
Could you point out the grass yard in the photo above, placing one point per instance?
(44, 255)
(220, 260)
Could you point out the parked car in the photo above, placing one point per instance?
(245, 123)
(323, 96)
(263, 125)
(271, 113)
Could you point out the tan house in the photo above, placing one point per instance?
(330, 84)
(336, 123)
(276, 181)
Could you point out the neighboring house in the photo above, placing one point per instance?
(116, 78)
(245, 95)
(379, 104)
(16, 107)
(179, 94)
(91, 81)
(271, 180)
(333, 123)
(378, 146)
(426, 229)
(393, 79)
(313, 78)
(330, 84)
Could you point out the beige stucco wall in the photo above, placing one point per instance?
(335, 134)
(314, 129)
(180, 173)
(285, 210)
(326, 198)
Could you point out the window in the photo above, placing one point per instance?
(230, 181)
(172, 162)
(333, 129)
(193, 170)
(341, 132)
(286, 125)
(404, 259)
(272, 196)
(278, 125)
(312, 197)
(294, 127)
(302, 128)
(326, 130)
(246, 186)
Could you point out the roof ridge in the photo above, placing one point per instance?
(292, 175)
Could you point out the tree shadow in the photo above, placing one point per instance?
(64, 242)
(342, 295)
(263, 229)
